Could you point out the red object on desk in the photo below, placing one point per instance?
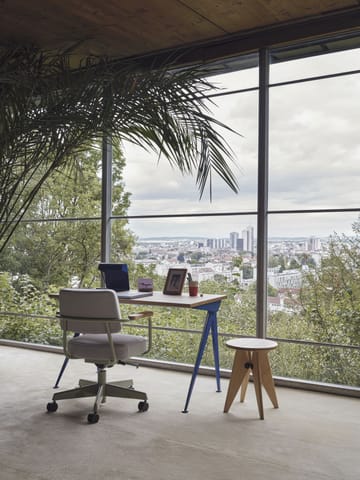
(193, 290)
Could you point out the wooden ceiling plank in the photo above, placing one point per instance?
(126, 28)
(238, 15)
(131, 27)
(276, 35)
(285, 10)
(235, 15)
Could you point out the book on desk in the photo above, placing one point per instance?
(128, 294)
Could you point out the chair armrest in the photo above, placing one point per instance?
(136, 316)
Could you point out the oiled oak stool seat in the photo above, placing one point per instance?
(251, 355)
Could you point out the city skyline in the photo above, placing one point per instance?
(312, 239)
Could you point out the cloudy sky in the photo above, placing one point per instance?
(314, 157)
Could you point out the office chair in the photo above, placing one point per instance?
(95, 315)
(114, 276)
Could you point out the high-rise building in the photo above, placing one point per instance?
(248, 239)
(210, 243)
(314, 244)
(216, 242)
(240, 244)
(233, 240)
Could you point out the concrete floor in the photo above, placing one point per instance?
(311, 435)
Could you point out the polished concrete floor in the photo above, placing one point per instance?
(311, 436)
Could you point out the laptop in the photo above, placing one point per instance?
(116, 277)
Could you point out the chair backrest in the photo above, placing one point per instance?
(115, 276)
(84, 310)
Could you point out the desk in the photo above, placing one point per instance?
(206, 302)
(209, 303)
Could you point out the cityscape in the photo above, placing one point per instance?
(208, 258)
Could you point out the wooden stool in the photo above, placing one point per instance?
(251, 354)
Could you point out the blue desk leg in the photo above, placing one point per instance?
(61, 373)
(215, 342)
(209, 324)
(63, 367)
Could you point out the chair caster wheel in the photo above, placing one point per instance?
(143, 406)
(93, 418)
(52, 407)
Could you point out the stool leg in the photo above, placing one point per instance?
(245, 382)
(257, 382)
(267, 378)
(238, 373)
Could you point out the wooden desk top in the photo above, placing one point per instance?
(182, 301)
(160, 300)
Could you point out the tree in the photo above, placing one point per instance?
(271, 291)
(330, 296)
(307, 259)
(195, 257)
(248, 272)
(274, 261)
(294, 264)
(58, 252)
(237, 261)
(18, 294)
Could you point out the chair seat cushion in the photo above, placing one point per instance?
(96, 346)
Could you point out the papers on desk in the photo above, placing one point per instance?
(132, 294)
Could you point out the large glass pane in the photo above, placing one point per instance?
(314, 146)
(157, 188)
(246, 77)
(317, 65)
(314, 293)
(41, 258)
(53, 254)
(219, 252)
(316, 363)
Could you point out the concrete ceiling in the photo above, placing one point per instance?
(128, 28)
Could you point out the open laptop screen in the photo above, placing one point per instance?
(115, 275)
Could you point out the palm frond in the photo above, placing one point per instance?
(48, 112)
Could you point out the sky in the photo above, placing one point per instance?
(314, 153)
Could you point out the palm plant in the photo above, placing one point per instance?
(49, 111)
